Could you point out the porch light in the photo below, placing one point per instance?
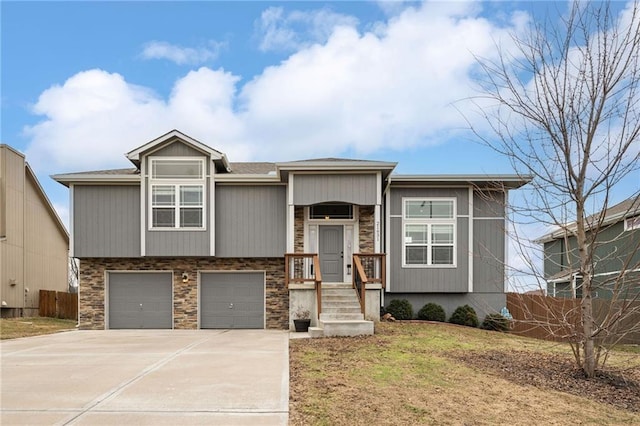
(185, 277)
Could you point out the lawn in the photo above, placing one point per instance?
(429, 373)
(11, 328)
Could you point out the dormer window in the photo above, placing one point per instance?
(177, 193)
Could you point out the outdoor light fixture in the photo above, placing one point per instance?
(185, 277)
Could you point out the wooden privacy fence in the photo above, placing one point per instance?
(58, 304)
(557, 319)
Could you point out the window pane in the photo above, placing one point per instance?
(416, 255)
(442, 209)
(163, 218)
(191, 218)
(331, 211)
(415, 234)
(191, 195)
(163, 195)
(417, 209)
(442, 234)
(442, 255)
(176, 169)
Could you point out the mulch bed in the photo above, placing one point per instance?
(620, 388)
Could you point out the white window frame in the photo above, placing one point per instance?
(429, 222)
(177, 183)
(631, 223)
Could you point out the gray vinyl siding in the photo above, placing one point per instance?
(358, 189)
(250, 221)
(488, 256)
(553, 257)
(176, 149)
(177, 243)
(106, 221)
(488, 204)
(615, 249)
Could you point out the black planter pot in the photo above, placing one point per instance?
(302, 325)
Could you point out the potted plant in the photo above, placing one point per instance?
(301, 319)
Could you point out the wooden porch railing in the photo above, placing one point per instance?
(368, 268)
(303, 268)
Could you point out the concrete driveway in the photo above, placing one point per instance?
(150, 377)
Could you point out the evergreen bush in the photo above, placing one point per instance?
(432, 312)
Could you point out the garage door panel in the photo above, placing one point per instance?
(232, 300)
(140, 300)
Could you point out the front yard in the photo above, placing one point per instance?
(429, 373)
(11, 328)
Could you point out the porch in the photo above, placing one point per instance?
(335, 308)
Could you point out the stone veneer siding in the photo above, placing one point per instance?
(91, 315)
(298, 229)
(366, 225)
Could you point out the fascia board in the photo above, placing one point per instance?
(246, 178)
(89, 178)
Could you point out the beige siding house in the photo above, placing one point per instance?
(34, 243)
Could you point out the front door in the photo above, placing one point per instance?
(331, 253)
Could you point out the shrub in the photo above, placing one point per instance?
(464, 315)
(495, 322)
(432, 312)
(400, 309)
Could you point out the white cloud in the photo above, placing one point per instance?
(357, 91)
(182, 55)
(296, 30)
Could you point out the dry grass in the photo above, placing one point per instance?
(411, 374)
(11, 328)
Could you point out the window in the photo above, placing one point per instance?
(331, 211)
(632, 223)
(429, 232)
(177, 193)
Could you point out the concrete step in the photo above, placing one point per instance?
(336, 285)
(339, 316)
(315, 332)
(339, 309)
(341, 296)
(345, 303)
(346, 328)
(339, 292)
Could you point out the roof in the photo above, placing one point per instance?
(99, 176)
(501, 181)
(614, 214)
(218, 157)
(271, 173)
(258, 168)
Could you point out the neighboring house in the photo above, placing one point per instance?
(616, 259)
(34, 244)
(187, 239)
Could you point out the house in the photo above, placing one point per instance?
(187, 239)
(616, 254)
(34, 242)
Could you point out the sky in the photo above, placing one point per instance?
(82, 83)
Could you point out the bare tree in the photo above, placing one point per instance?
(564, 107)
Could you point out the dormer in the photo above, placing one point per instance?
(177, 187)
